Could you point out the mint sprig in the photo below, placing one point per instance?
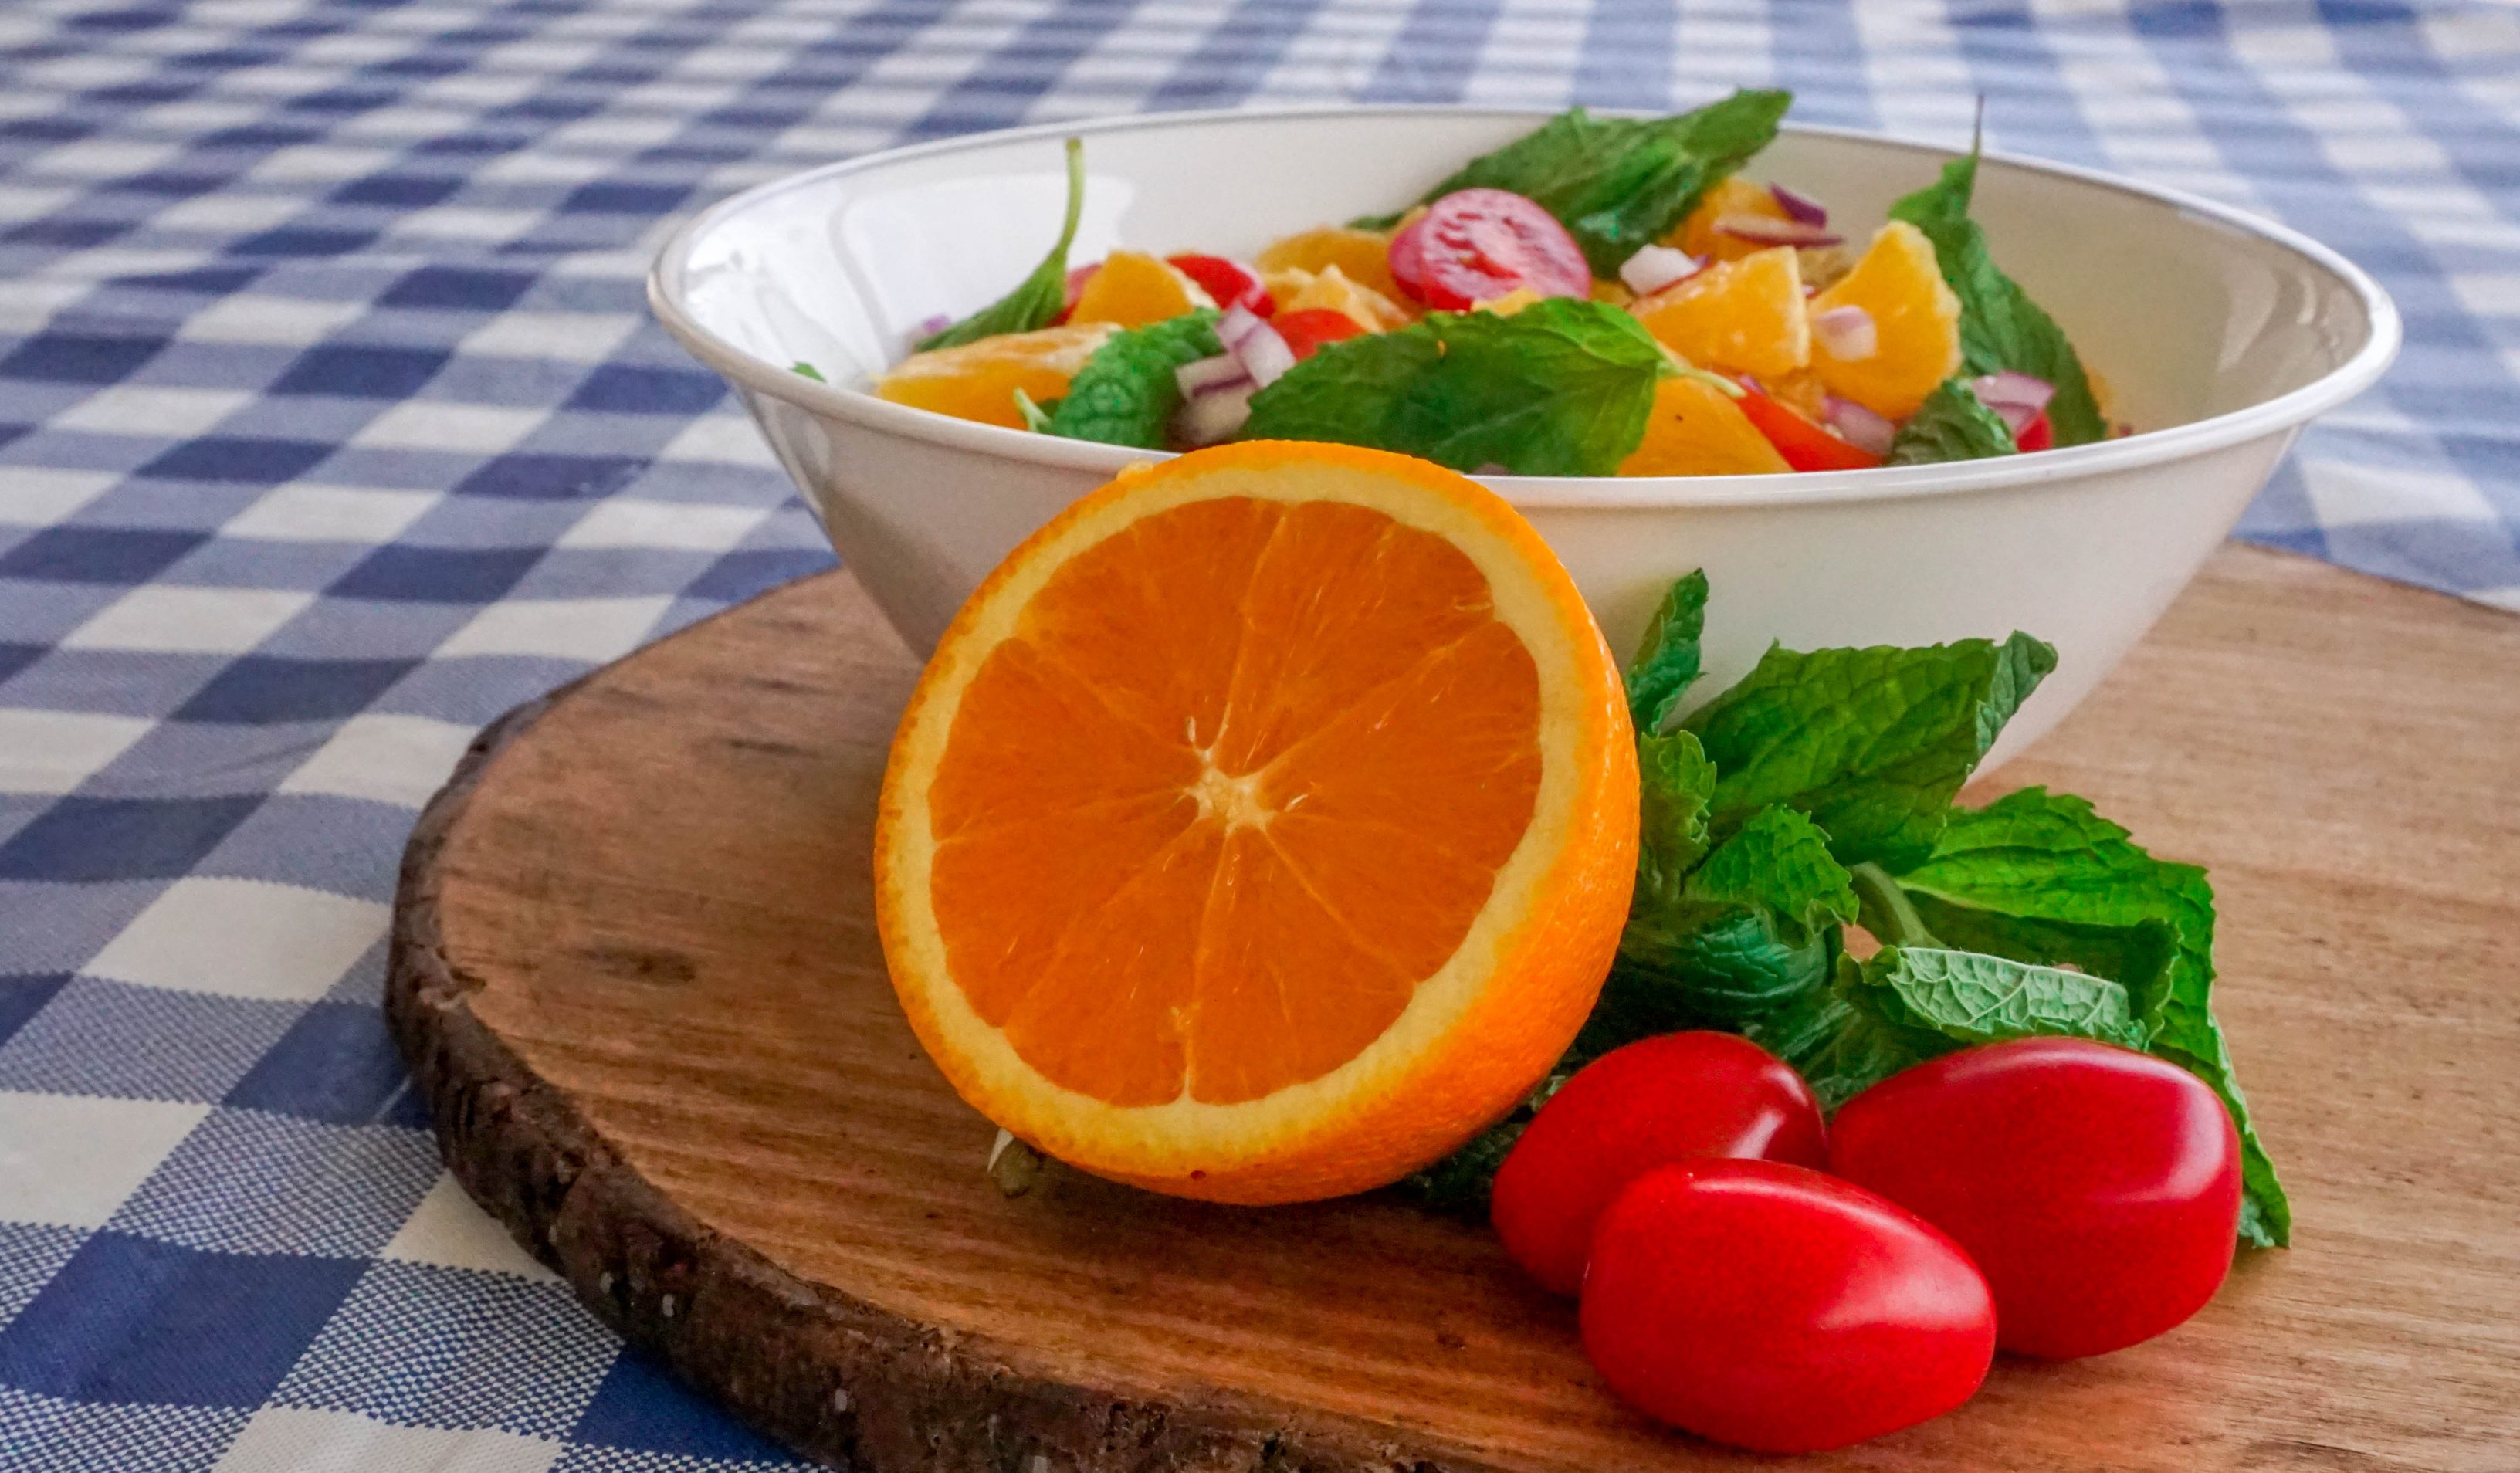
(1818, 792)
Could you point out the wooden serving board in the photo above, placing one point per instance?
(635, 976)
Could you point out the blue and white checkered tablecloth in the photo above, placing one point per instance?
(331, 425)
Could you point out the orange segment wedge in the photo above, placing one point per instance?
(1696, 430)
(977, 380)
(1134, 289)
(1262, 827)
(1734, 195)
(1915, 319)
(1741, 316)
(1363, 256)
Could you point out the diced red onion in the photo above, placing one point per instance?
(1859, 427)
(1847, 334)
(2016, 388)
(1763, 230)
(1077, 277)
(1214, 417)
(2015, 416)
(1654, 267)
(1494, 468)
(929, 325)
(1800, 205)
(1237, 324)
(1209, 375)
(1264, 354)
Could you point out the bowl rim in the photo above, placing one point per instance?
(2384, 333)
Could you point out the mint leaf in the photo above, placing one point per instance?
(1667, 658)
(1906, 1005)
(2040, 876)
(1951, 424)
(1872, 743)
(1126, 392)
(1971, 998)
(804, 370)
(1752, 929)
(1778, 861)
(1619, 183)
(1838, 1041)
(1675, 786)
(1351, 392)
(1562, 387)
(1037, 299)
(2001, 327)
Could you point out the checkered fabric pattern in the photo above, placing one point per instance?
(331, 425)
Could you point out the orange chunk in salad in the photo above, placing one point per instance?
(1742, 316)
(1736, 196)
(978, 379)
(1890, 331)
(1363, 256)
(1696, 430)
(1134, 289)
(1333, 291)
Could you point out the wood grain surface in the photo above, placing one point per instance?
(635, 975)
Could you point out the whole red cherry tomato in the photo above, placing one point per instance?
(1655, 1102)
(2098, 1187)
(1804, 445)
(1476, 245)
(1306, 330)
(1780, 1310)
(1229, 282)
(2038, 434)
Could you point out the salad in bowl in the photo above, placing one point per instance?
(1601, 297)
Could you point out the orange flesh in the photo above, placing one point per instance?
(1305, 744)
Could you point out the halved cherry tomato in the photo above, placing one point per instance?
(2098, 1187)
(1652, 1102)
(1804, 445)
(1777, 1309)
(1306, 330)
(2038, 434)
(1228, 281)
(1478, 244)
(1408, 259)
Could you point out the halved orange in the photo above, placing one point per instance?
(1262, 827)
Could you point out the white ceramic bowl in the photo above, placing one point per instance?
(2220, 334)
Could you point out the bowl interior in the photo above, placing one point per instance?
(2187, 314)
